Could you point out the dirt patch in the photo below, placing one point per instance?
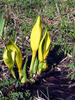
(53, 82)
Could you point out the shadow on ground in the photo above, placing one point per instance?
(58, 86)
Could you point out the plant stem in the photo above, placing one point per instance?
(35, 66)
(32, 61)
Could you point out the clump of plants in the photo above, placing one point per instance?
(40, 45)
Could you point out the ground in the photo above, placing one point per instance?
(59, 18)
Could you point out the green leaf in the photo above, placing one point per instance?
(73, 76)
(42, 67)
(68, 75)
(2, 21)
(24, 79)
(70, 65)
(35, 66)
(32, 80)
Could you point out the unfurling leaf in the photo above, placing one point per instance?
(44, 47)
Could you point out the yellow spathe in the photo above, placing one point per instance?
(36, 35)
(35, 40)
(12, 55)
(44, 47)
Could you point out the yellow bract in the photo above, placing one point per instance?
(36, 35)
(44, 47)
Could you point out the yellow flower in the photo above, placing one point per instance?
(35, 39)
(44, 47)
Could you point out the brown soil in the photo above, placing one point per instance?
(54, 79)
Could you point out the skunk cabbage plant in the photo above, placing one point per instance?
(12, 55)
(40, 46)
(35, 39)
